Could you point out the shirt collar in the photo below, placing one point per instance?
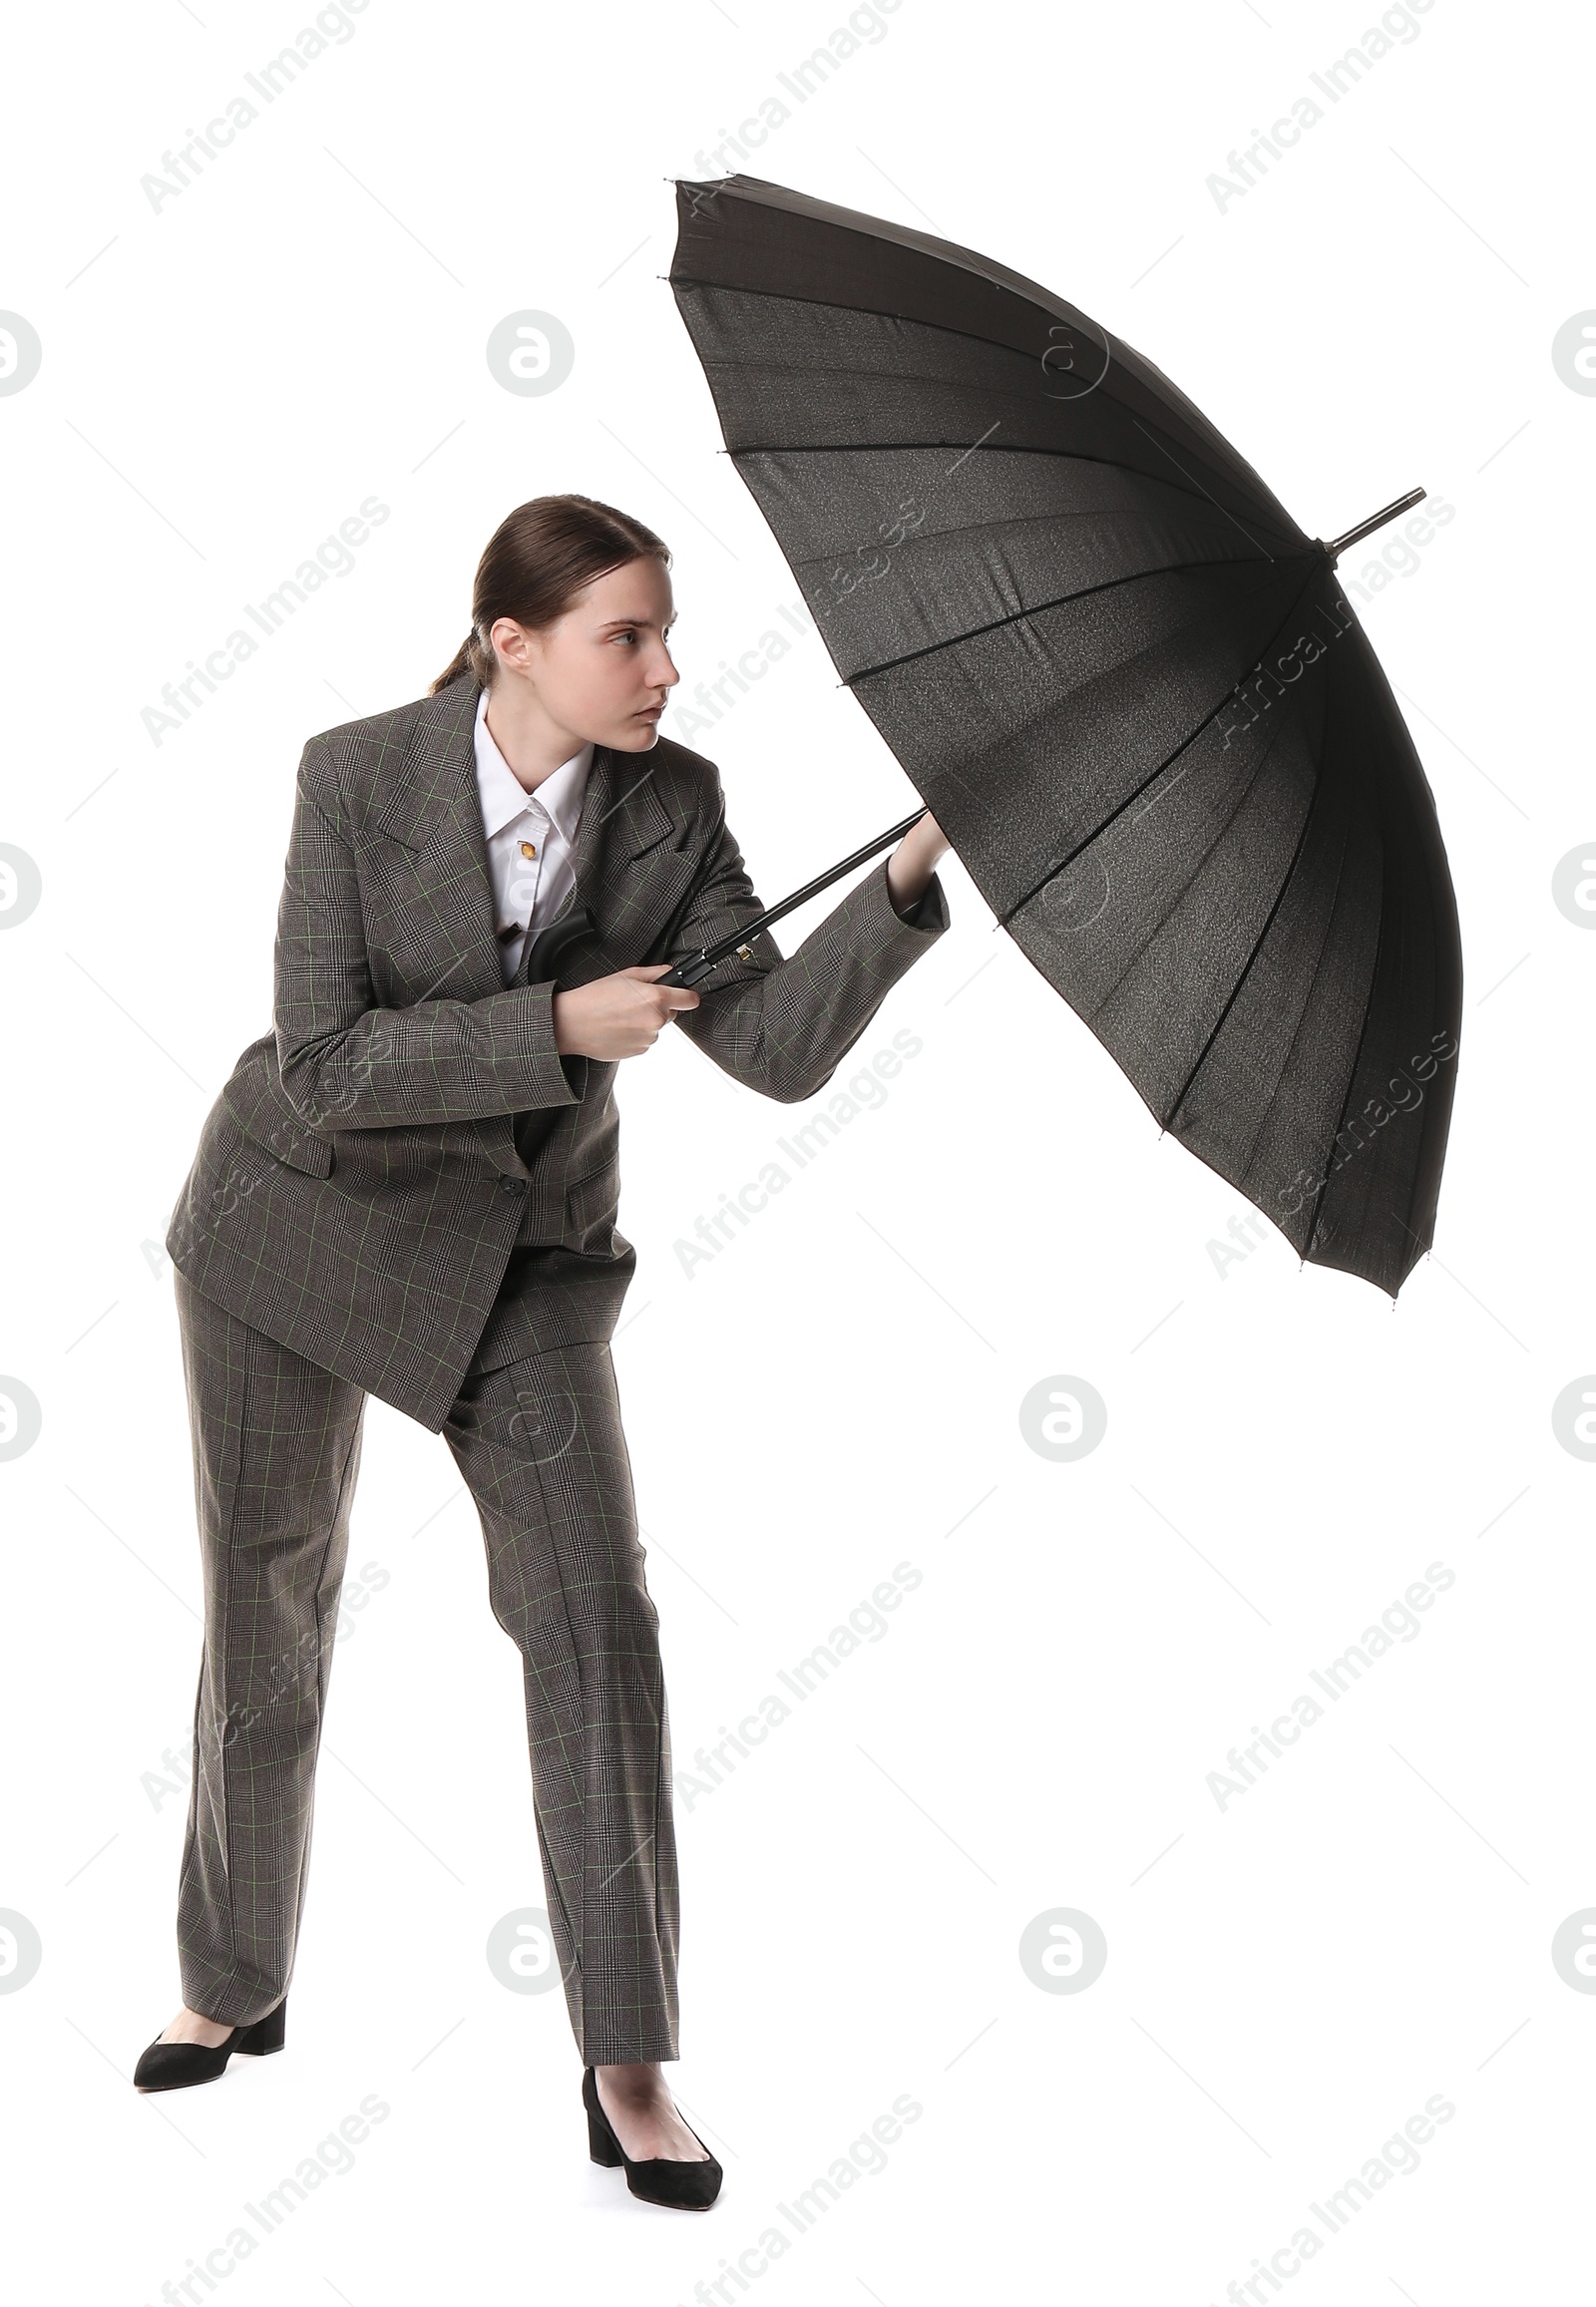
(504, 797)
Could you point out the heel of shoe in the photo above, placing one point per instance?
(267, 2034)
(602, 2145)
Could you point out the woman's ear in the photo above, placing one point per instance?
(512, 644)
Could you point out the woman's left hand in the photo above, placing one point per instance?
(912, 863)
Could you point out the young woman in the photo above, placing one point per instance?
(408, 1188)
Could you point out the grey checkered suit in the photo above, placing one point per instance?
(405, 1190)
(538, 1443)
(371, 1163)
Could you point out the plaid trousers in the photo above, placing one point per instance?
(539, 1442)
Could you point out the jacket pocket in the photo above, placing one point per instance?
(591, 1205)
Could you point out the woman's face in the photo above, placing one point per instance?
(602, 670)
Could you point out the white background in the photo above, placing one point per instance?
(1289, 1979)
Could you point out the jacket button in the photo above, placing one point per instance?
(512, 1185)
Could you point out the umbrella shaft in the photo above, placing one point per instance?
(692, 967)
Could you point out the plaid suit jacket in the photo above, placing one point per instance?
(408, 1133)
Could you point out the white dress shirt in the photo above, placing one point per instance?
(529, 836)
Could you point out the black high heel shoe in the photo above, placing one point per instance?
(171, 2065)
(680, 2186)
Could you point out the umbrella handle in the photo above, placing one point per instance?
(544, 955)
(692, 967)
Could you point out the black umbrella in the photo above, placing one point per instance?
(1127, 685)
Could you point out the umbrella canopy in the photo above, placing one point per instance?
(1125, 683)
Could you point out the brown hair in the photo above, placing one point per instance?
(537, 561)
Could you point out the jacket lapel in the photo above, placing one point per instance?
(622, 818)
(433, 810)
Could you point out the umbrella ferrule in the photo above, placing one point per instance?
(1339, 545)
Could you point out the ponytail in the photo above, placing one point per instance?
(469, 658)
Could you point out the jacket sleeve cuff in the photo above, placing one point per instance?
(921, 927)
(523, 1029)
(930, 912)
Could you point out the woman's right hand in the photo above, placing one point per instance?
(620, 1015)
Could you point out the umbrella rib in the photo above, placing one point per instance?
(1357, 1052)
(997, 448)
(1296, 1031)
(1246, 970)
(1157, 771)
(1436, 972)
(1208, 493)
(1035, 609)
(907, 319)
(1055, 516)
(943, 328)
(1196, 868)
